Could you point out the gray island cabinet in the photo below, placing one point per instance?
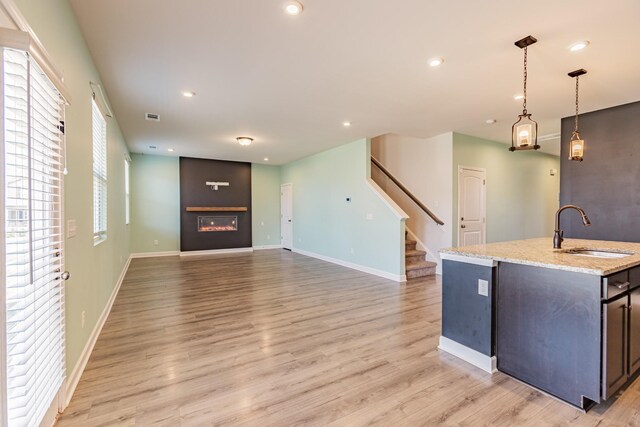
(562, 321)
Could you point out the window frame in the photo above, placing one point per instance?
(100, 175)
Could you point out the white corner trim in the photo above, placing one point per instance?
(262, 247)
(154, 254)
(397, 210)
(469, 355)
(469, 259)
(395, 277)
(216, 251)
(72, 380)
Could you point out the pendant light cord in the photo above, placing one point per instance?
(524, 102)
(575, 131)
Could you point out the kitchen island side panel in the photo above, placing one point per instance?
(549, 330)
(468, 317)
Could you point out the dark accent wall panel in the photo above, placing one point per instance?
(193, 192)
(467, 317)
(607, 183)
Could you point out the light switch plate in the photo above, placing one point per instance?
(71, 228)
(483, 287)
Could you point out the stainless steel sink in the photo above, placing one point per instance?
(597, 253)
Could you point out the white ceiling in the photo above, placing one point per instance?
(290, 82)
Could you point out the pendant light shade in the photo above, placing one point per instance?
(524, 132)
(576, 145)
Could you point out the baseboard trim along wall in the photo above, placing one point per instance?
(395, 277)
(469, 355)
(154, 254)
(71, 382)
(216, 251)
(263, 247)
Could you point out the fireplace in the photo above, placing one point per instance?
(207, 224)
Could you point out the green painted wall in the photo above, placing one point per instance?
(522, 197)
(326, 224)
(94, 270)
(265, 205)
(155, 203)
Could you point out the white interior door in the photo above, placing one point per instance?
(471, 206)
(286, 216)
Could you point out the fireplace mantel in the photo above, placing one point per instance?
(215, 209)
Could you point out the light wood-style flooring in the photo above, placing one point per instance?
(275, 338)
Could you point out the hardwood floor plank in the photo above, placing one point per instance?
(276, 338)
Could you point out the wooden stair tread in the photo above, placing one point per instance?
(414, 252)
(420, 265)
(409, 242)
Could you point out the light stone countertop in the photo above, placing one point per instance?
(540, 253)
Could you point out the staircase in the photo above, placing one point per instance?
(416, 264)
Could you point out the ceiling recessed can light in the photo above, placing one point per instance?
(170, 150)
(293, 7)
(188, 94)
(518, 97)
(490, 121)
(434, 62)
(346, 124)
(266, 159)
(579, 45)
(244, 140)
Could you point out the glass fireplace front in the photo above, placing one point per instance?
(217, 223)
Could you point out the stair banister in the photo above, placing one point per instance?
(406, 191)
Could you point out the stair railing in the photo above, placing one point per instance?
(406, 191)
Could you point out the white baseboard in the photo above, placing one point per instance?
(469, 355)
(364, 269)
(154, 254)
(72, 380)
(216, 251)
(262, 247)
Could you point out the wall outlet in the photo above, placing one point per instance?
(369, 216)
(268, 237)
(483, 287)
(121, 259)
(262, 223)
(155, 243)
(84, 318)
(351, 251)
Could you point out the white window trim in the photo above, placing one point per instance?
(100, 235)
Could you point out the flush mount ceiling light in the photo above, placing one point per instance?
(346, 124)
(579, 45)
(293, 8)
(435, 62)
(524, 132)
(244, 140)
(576, 145)
(266, 159)
(188, 94)
(171, 150)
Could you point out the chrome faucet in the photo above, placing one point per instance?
(558, 236)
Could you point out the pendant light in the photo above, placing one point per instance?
(524, 132)
(576, 145)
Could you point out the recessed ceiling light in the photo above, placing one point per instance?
(434, 62)
(293, 7)
(170, 150)
(518, 97)
(579, 45)
(346, 124)
(188, 94)
(244, 140)
(266, 159)
(490, 121)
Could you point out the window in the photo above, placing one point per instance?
(99, 175)
(32, 251)
(127, 197)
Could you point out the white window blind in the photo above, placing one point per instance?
(99, 175)
(34, 291)
(127, 196)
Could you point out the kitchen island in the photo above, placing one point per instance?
(566, 321)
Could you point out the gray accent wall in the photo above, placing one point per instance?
(607, 183)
